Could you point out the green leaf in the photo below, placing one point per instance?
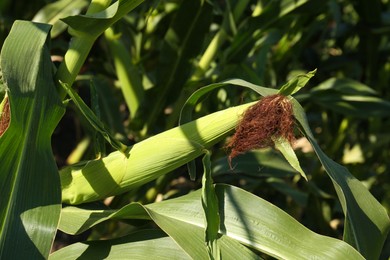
(108, 103)
(245, 219)
(29, 182)
(85, 29)
(350, 98)
(53, 12)
(210, 207)
(93, 119)
(98, 140)
(271, 13)
(188, 236)
(182, 43)
(272, 164)
(128, 75)
(92, 25)
(296, 83)
(288, 152)
(144, 244)
(366, 221)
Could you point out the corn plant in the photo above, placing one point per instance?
(216, 221)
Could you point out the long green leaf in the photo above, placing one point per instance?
(30, 202)
(350, 98)
(210, 207)
(245, 218)
(128, 74)
(366, 221)
(145, 244)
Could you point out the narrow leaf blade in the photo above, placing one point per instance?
(210, 207)
(93, 119)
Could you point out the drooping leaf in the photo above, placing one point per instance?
(30, 202)
(85, 29)
(186, 112)
(53, 12)
(92, 25)
(366, 221)
(245, 219)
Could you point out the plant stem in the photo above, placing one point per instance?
(78, 52)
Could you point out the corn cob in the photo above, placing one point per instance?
(147, 160)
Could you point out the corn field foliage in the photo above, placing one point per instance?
(195, 129)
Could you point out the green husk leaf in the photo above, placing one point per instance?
(117, 173)
(186, 111)
(296, 83)
(286, 149)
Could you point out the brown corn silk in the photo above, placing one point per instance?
(5, 117)
(271, 117)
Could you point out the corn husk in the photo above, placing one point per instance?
(147, 160)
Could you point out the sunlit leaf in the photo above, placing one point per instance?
(145, 244)
(30, 202)
(245, 218)
(53, 12)
(296, 83)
